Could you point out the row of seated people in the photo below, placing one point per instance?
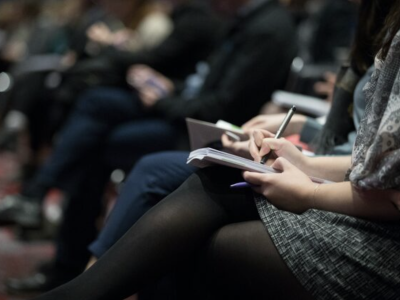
(289, 238)
(104, 118)
(158, 32)
(43, 96)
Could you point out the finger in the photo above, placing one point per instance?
(226, 142)
(148, 95)
(253, 149)
(330, 77)
(145, 98)
(281, 164)
(138, 78)
(266, 133)
(103, 26)
(258, 138)
(256, 178)
(137, 68)
(269, 144)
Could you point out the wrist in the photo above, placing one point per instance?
(310, 195)
(304, 163)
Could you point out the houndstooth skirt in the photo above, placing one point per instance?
(336, 256)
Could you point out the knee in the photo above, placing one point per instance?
(238, 242)
(147, 165)
(159, 174)
(147, 177)
(88, 100)
(98, 100)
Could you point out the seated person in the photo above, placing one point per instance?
(157, 175)
(122, 125)
(40, 109)
(296, 239)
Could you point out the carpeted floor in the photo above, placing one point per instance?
(22, 252)
(19, 258)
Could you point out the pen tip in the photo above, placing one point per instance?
(294, 108)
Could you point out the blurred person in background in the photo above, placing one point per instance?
(20, 20)
(291, 242)
(195, 33)
(157, 175)
(169, 36)
(114, 127)
(326, 34)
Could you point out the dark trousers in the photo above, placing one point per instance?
(153, 178)
(108, 129)
(31, 97)
(105, 121)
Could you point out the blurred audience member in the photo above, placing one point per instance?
(251, 61)
(325, 35)
(40, 101)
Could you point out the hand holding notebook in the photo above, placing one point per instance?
(205, 157)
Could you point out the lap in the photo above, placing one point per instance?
(153, 178)
(244, 260)
(131, 140)
(110, 104)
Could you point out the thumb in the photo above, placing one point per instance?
(281, 164)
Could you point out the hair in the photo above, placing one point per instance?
(370, 32)
(392, 26)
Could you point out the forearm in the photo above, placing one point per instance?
(343, 198)
(331, 168)
(295, 125)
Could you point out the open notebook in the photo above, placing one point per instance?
(204, 157)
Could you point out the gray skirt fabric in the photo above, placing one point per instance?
(336, 256)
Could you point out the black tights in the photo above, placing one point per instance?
(203, 214)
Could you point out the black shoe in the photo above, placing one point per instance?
(46, 279)
(19, 210)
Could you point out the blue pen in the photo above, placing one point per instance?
(241, 185)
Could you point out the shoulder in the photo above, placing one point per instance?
(273, 18)
(192, 10)
(196, 18)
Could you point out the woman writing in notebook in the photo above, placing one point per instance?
(300, 240)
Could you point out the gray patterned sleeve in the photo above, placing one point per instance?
(376, 153)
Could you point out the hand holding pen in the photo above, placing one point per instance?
(280, 131)
(262, 143)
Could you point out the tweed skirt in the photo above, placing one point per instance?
(336, 256)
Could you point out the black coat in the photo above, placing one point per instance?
(196, 31)
(252, 61)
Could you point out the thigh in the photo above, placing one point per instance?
(243, 263)
(131, 140)
(154, 177)
(110, 105)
